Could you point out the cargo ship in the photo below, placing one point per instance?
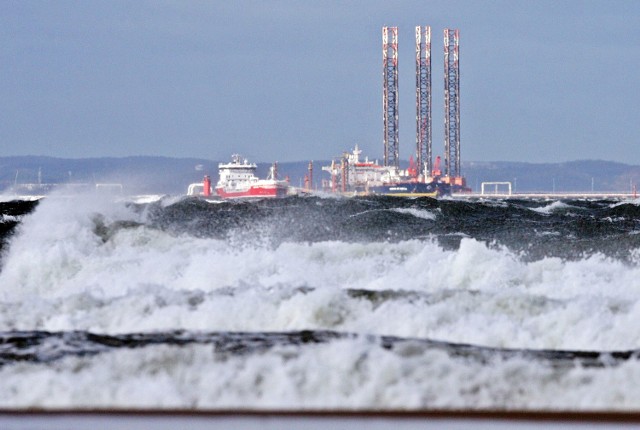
(353, 176)
(237, 180)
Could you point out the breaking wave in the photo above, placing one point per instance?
(320, 302)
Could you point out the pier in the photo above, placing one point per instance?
(549, 195)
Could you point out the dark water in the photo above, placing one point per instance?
(533, 229)
(44, 347)
(10, 214)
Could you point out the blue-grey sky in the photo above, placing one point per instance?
(541, 81)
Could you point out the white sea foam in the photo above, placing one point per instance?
(59, 275)
(147, 198)
(553, 207)
(9, 218)
(625, 201)
(6, 197)
(418, 213)
(341, 374)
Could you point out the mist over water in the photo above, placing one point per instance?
(320, 302)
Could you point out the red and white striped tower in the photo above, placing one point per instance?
(451, 103)
(423, 100)
(390, 95)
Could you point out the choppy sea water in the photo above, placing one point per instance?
(323, 303)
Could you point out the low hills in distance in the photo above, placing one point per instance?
(163, 175)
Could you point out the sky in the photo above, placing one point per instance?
(541, 81)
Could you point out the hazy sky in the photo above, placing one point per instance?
(541, 81)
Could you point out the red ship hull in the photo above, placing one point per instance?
(254, 192)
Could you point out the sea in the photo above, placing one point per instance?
(319, 303)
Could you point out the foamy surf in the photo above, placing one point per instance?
(489, 276)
